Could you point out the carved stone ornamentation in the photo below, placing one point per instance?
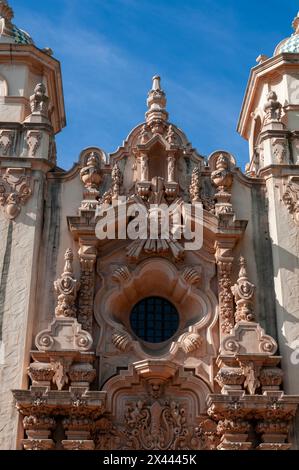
(195, 186)
(191, 342)
(222, 178)
(191, 276)
(39, 101)
(41, 373)
(226, 301)
(38, 444)
(15, 191)
(230, 378)
(33, 139)
(91, 175)
(171, 168)
(6, 142)
(66, 289)
(117, 181)
(291, 199)
(170, 136)
(157, 426)
(280, 150)
(248, 338)
(243, 292)
(82, 374)
(144, 167)
(145, 135)
(271, 378)
(251, 372)
(61, 369)
(88, 256)
(122, 341)
(272, 108)
(121, 275)
(156, 116)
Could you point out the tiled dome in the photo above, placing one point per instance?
(9, 33)
(291, 44)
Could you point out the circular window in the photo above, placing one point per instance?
(154, 320)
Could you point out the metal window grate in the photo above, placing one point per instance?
(154, 320)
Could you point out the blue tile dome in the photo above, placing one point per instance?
(9, 33)
(291, 44)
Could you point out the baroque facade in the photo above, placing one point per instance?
(143, 344)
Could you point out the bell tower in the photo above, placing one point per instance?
(31, 113)
(269, 120)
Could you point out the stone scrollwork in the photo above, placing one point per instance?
(15, 191)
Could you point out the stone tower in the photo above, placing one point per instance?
(145, 342)
(31, 113)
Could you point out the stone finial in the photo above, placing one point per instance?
(272, 108)
(39, 101)
(117, 181)
(6, 15)
(66, 288)
(91, 175)
(295, 24)
(243, 292)
(156, 115)
(222, 176)
(195, 186)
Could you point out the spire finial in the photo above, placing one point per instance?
(156, 103)
(156, 83)
(295, 24)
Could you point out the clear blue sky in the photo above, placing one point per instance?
(110, 49)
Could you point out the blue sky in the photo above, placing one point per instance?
(110, 49)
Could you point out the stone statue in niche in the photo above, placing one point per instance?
(144, 167)
(171, 169)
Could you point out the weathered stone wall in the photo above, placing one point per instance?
(19, 249)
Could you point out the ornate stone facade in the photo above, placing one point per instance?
(145, 343)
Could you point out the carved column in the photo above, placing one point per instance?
(88, 256)
(224, 259)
